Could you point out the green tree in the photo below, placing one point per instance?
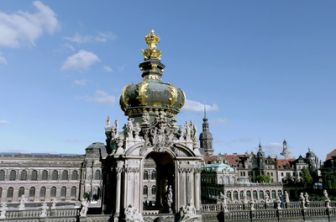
(307, 177)
(264, 179)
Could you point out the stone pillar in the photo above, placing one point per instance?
(119, 170)
(182, 187)
(197, 185)
(191, 186)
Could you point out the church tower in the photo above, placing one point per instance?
(285, 152)
(152, 141)
(206, 137)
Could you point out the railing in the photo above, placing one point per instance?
(68, 214)
(293, 211)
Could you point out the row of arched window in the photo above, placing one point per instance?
(45, 175)
(23, 175)
(262, 194)
(152, 175)
(145, 190)
(42, 192)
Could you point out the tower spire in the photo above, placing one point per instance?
(206, 136)
(205, 116)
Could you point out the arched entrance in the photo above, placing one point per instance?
(158, 182)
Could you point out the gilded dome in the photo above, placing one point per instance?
(152, 94)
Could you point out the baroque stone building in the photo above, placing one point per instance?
(151, 141)
(47, 177)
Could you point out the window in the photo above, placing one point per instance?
(235, 195)
(274, 194)
(74, 175)
(53, 192)
(21, 191)
(43, 192)
(23, 175)
(73, 192)
(54, 175)
(34, 175)
(2, 175)
(255, 195)
(153, 175)
(0, 192)
(268, 193)
(242, 195)
(146, 175)
(10, 192)
(63, 192)
(261, 194)
(228, 195)
(12, 175)
(44, 175)
(97, 175)
(248, 194)
(145, 190)
(154, 190)
(32, 192)
(65, 175)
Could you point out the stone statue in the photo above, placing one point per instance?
(302, 200)
(114, 130)
(306, 196)
(3, 210)
(170, 198)
(129, 129)
(137, 130)
(53, 205)
(85, 206)
(326, 199)
(44, 209)
(278, 202)
(145, 118)
(23, 200)
(223, 200)
(108, 122)
(267, 198)
(252, 205)
(132, 215)
(187, 212)
(287, 197)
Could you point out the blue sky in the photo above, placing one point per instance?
(265, 70)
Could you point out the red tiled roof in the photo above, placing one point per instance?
(331, 154)
(284, 163)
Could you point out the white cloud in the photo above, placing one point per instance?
(80, 61)
(100, 37)
(108, 69)
(3, 60)
(80, 82)
(24, 27)
(195, 106)
(101, 97)
(3, 122)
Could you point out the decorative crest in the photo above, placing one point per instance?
(152, 51)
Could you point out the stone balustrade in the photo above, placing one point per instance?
(317, 211)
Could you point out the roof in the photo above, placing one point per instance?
(284, 163)
(331, 155)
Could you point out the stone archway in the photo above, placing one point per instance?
(158, 182)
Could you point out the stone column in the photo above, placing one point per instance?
(191, 187)
(197, 185)
(181, 188)
(119, 170)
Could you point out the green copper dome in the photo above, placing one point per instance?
(151, 94)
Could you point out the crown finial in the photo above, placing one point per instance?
(152, 40)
